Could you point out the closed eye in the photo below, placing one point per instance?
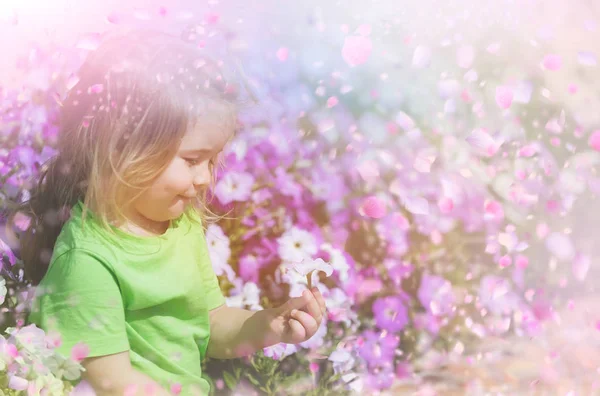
(192, 161)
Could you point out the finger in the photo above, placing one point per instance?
(297, 330)
(313, 307)
(308, 322)
(294, 303)
(320, 300)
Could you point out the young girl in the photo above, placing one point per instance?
(116, 242)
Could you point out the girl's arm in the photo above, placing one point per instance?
(113, 375)
(236, 332)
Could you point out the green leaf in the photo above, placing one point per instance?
(253, 380)
(229, 380)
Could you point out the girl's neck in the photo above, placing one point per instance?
(146, 231)
(140, 226)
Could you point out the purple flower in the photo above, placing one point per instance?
(249, 266)
(496, 294)
(435, 294)
(390, 313)
(399, 271)
(381, 375)
(376, 348)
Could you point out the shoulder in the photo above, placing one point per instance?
(79, 268)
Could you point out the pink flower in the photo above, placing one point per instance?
(79, 352)
(356, 50)
(594, 140)
(282, 54)
(504, 96)
(552, 62)
(374, 207)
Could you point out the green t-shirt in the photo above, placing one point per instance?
(146, 295)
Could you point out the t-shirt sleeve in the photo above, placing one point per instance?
(79, 300)
(210, 282)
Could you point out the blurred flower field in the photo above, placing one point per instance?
(437, 165)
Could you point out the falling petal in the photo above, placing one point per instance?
(57, 98)
(435, 308)
(522, 92)
(581, 266)
(142, 15)
(505, 261)
(465, 56)
(162, 11)
(79, 352)
(9, 16)
(374, 207)
(521, 261)
(363, 30)
(542, 230)
(113, 18)
(445, 205)
(421, 57)
(96, 88)
(356, 50)
(493, 48)
(553, 126)
(424, 160)
(560, 246)
(594, 140)
(183, 15)
(527, 151)
(404, 121)
(587, 58)
(508, 240)
(332, 102)
(481, 140)
(552, 62)
(282, 54)
(493, 210)
(22, 221)
(504, 96)
(212, 18)
(89, 42)
(416, 205)
(369, 170)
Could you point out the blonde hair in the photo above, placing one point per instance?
(120, 126)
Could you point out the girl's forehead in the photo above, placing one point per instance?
(206, 136)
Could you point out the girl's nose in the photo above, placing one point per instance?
(202, 176)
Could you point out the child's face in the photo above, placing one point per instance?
(187, 174)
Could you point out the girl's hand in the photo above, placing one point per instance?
(298, 319)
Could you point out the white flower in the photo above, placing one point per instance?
(279, 351)
(248, 296)
(234, 186)
(219, 251)
(343, 360)
(296, 244)
(310, 269)
(62, 367)
(2, 290)
(18, 383)
(337, 261)
(53, 386)
(30, 338)
(318, 339)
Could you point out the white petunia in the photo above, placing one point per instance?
(296, 244)
(219, 251)
(234, 186)
(310, 269)
(3, 290)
